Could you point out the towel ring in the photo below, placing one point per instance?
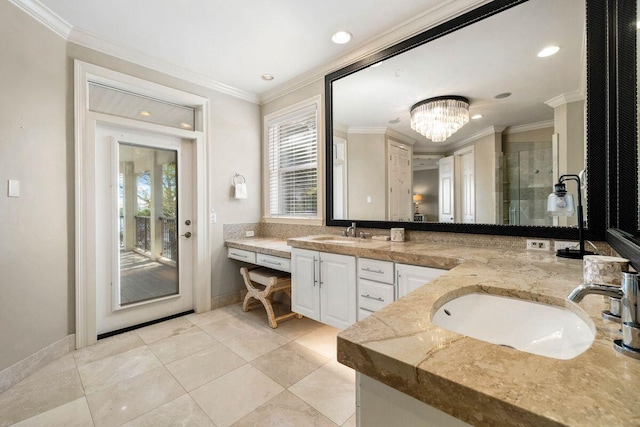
(238, 177)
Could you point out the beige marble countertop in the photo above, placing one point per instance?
(262, 245)
(481, 383)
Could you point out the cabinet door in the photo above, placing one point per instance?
(411, 277)
(337, 290)
(305, 285)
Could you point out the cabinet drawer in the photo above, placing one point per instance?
(373, 269)
(242, 255)
(362, 313)
(373, 296)
(275, 262)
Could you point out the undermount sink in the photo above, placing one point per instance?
(528, 326)
(337, 239)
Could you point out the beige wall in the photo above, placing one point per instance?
(36, 147)
(36, 259)
(367, 176)
(511, 140)
(569, 125)
(486, 149)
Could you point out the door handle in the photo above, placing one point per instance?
(187, 234)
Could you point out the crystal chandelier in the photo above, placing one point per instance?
(439, 118)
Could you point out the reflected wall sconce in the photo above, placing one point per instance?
(417, 199)
(560, 203)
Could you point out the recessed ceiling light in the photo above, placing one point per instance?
(267, 77)
(185, 125)
(476, 116)
(377, 64)
(145, 113)
(548, 51)
(341, 37)
(503, 95)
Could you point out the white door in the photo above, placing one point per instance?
(411, 277)
(145, 227)
(338, 290)
(467, 188)
(399, 182)
(340, 209)
(305, 277)
(446, 197)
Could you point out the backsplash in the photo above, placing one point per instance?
(237, 231)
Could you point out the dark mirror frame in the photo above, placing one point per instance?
(596, 128)
(624, 234)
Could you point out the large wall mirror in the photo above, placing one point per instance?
(530, 120)
(624, 235)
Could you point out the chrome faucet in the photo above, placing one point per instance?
(582, 291)
(629, 295)
(351, 230)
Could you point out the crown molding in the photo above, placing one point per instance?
(45, 16)
(392, 133)
(92, 41)
(62, 28)
(368, 130)
(565, 98)
(530, 126)
(443, 12)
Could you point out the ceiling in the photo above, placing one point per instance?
(233, 43)
(493, 56)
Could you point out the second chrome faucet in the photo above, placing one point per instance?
(629, 295)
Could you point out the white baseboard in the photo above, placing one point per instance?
(38, 360)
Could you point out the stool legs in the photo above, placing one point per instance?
(264, 297)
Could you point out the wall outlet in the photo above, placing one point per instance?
(564, 244)
(538, 245)
(249, 233)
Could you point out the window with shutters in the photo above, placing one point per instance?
(292, 162)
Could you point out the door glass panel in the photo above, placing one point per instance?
(148, 232)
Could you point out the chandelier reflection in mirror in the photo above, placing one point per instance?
(439, 118)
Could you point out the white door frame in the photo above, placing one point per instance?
(85, 200)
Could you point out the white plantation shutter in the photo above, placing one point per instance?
(293, 164)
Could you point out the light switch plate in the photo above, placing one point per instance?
(14, 188)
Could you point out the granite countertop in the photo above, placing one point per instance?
(481, 383)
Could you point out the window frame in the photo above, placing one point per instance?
(318, 218)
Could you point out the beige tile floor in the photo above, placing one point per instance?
(221, 368)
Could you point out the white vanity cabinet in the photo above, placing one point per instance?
(375, 285)
(411, 277)
(323, 287)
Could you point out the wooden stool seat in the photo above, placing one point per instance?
(261, 284)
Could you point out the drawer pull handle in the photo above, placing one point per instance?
(240, 255)
(266, 261)
(373, 271)
(374, 298)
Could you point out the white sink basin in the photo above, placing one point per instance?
(348, 242)
(528, 326)
(337, 239)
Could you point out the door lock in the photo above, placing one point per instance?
(187, 222)
(187, 234)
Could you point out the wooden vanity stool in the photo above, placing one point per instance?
(261, 284)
